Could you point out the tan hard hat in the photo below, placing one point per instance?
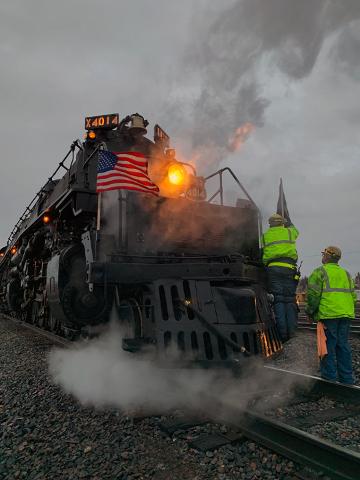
(334, 252)
(276, 219)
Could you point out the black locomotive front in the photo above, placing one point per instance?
(178, 272)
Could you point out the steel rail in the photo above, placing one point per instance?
(302, 447)
(355, 330)
(311, 384)
(44, 333)
(319, 454)
(311, 327)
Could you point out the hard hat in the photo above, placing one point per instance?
(332, 251)
(276, 219)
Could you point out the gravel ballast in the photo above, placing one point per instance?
(47, 434)
(300, 354)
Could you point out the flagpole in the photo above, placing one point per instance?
(98, 213)
(102, 146)
(281, 197)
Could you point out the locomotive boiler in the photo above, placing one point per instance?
(174, 266)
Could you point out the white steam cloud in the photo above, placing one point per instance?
(99, 373)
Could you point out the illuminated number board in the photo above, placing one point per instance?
(102, 121)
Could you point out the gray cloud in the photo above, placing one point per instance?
(233, 44)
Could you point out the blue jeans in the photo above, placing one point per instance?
(282, 285)
(339, 351)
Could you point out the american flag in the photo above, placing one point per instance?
(124, 170)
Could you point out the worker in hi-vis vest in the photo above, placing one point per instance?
(331, 300)
(280, 257)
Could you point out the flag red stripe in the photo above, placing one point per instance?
(125, 179)
(132, 173)
(122, 157)
(129, 166)
(135, 154)
(125, 184)
(118, 175)
(99, 190)
(132, 163)
(118, 171)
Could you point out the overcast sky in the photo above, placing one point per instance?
(201, 69)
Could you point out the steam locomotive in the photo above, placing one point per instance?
(175, 267)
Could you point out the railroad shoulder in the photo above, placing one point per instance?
(47, 434)
(300, 354)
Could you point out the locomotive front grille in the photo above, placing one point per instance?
(179, 330)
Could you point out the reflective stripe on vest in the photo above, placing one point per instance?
(328, 289)
(281, 264)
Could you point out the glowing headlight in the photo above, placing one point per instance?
(176, 174)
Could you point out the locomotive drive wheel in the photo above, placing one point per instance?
(83, 307)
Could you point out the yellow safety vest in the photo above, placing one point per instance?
(279, 244)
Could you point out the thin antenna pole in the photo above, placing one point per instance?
(98, 213)
(281, 197)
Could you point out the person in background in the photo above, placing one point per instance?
(331, 300)
(279, 257)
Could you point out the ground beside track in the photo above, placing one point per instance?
(300, 354)
(46, 434)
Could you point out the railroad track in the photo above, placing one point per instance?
(303, 323)
(311, 327)
(56, 339)
(289, 435)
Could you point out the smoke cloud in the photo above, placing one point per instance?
(99, 373)
(233, 52)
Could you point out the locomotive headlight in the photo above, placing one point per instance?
(90, 135)
(13, 250)
(177, 174)
(46, 219)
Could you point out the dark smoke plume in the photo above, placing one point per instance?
(232, 51)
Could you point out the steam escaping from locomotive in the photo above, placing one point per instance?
(99, 374)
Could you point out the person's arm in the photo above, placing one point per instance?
(264, 254)
(314, 292)
(294, 231)
(353, 292)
